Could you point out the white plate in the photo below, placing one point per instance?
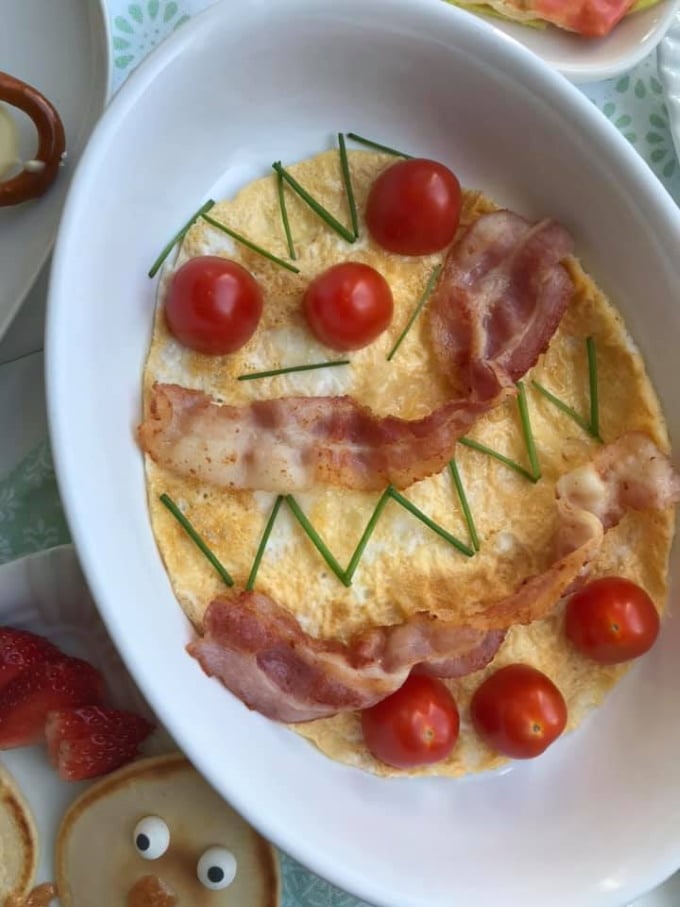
(593, 822)
(593, 59)
(62, 48)
(669, 71)
(46, 594)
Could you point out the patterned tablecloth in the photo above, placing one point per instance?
(31, 517)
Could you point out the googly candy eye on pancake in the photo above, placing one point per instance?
(98, 860)
(405, 569)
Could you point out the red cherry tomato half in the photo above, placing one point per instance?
(416, 725)
(611, 620)
(348, 306)
(413, 207)
(518, 711)
(213, 305)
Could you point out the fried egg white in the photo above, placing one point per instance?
(405, 568)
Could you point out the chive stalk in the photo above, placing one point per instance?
(366, 535)
(427, 292)
(349, 191)
(249, 245)
(284, 216)
(196, 538)
(376, 145)
(592, 425)
(252, 576)
(316, 206)
(179, 236)
(435, 527)
(562, 406)
(316, 540)
(593, 388)
(527, 432)
(251, 376)
(464, 503)
(511, 464)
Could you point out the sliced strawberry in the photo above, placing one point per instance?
(26, 700)
(94, 740)
(20, 649)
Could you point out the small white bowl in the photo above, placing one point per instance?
(595, 820)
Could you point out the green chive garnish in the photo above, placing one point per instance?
(414, 314)
(593, 386)
(592, 426)
(250, 245)
(250, 376)
(462, 497)
(367, 533)
(561, 405)
(316, 540)
(482, 448)
(263, 543)
(435, 527)
(284, 216)
(347, 179)
(528, 433)
(196, 538)
(179, 236)
(316, 207)
(378, 147)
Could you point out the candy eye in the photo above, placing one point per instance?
(217, 868)
(151, 837)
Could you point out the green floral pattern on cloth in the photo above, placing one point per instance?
(635, 104)
(136, 28)
(31, 517)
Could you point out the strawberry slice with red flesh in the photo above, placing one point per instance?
(41, 688)
(20, 649)
(94, 740)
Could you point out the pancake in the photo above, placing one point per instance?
(18, 843)
(97, 863)
(405, 567)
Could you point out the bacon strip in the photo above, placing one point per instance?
(260, 652)
(500, 299)
(498, 302)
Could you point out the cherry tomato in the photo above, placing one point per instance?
(416, 725)
(611, 620)
(518, 711)
(213, 305)
(413, 207)
(348, 305)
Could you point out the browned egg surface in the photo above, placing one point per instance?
(405, 568)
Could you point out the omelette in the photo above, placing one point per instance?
(589, 18)
(405, 568)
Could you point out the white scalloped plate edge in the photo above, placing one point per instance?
(46, 594)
